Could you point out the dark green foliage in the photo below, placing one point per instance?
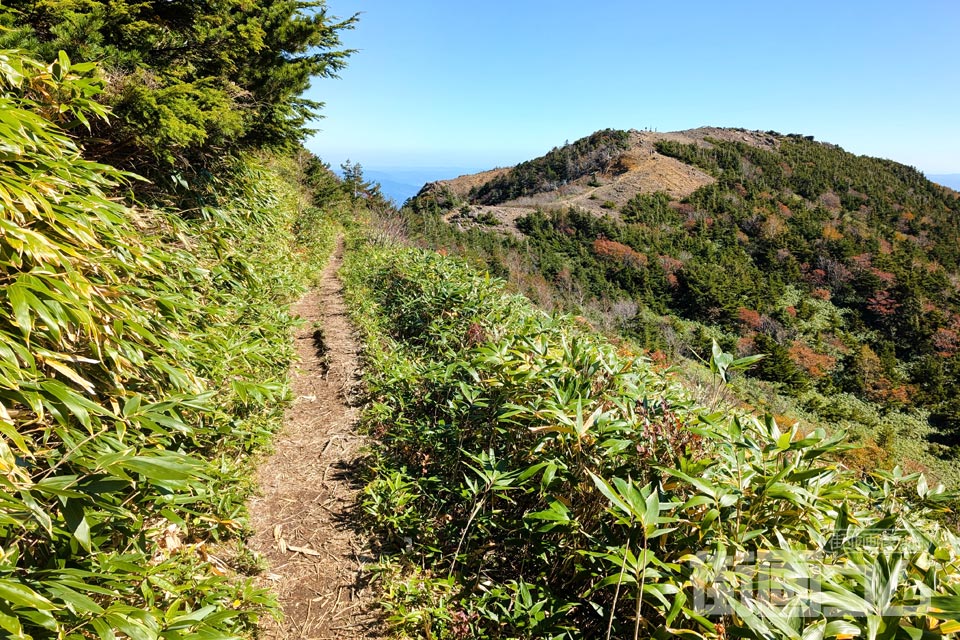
(325, 188)
(486, 218)
(777, 366)
(651, 209)
(699, 156)
(353, 182)
(561, 165)
(188, 81)
(360, 190)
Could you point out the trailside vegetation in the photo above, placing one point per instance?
(143, 357)
(529, 479)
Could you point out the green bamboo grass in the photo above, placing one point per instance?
(143, 356)
(531, 480)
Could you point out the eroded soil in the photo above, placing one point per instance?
(303, 516)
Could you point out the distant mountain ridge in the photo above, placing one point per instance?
(624, 163)
(402, 183)
(844, 269)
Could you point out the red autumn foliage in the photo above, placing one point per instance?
(864, 260)
(749, 318)
(659, 358)
(822, 294)
(835, 272)
(815, 364)
(888, 392)
(475, 335)
(746, 346)
(883, 303)
(946, 341)
(876, 384)
(885, 276)
(619, 251)
(670, 264)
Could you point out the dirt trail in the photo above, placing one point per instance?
(302, 517)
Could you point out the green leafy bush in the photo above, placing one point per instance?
(567, 490)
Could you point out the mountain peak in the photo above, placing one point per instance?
(599, 173)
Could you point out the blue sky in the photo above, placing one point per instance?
(478, 84)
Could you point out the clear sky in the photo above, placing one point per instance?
(471, 83)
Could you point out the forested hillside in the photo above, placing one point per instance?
(582, 158)
(529, 479)
(842, 269)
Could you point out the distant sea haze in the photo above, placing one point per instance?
(401, 183)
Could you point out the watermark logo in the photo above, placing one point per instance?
(863, 574)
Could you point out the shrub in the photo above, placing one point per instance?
(571, 491)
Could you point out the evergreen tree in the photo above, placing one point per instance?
(353, 183)
(189, 81)
(777, 366)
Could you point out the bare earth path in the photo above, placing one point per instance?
(301, 518)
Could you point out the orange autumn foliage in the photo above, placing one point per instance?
(815, 364)
(619, 251)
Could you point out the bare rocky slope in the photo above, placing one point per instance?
(637, 168)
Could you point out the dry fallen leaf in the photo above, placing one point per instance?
(171, 538)
(304, 550)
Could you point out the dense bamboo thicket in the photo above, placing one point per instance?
(143, 356)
